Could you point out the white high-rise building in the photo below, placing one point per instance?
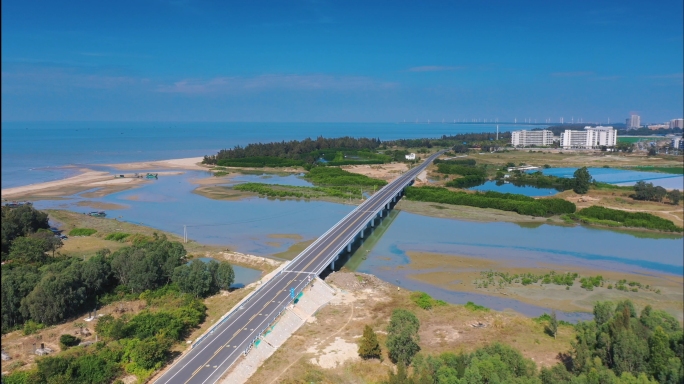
(676, 123)
(526, 138)
(590, 138)
(633, 122)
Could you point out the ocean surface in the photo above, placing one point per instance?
(38, 152)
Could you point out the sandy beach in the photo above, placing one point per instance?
(104, 181)
(189, 163)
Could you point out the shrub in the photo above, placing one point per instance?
(474, 307)
(627, 219)
(31, 327)
(82, 232)
(117, 236)
(66, 341)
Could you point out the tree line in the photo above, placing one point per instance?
(48, 290)
(646, 191)
(306, 151)
(602, 215)
(521, 204)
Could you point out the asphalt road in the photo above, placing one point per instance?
(212, 357)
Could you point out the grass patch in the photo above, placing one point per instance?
(475, 308)
(82, 232)
(117, 236)
(425, 301)
(220, 173)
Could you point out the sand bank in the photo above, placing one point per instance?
(190, 163)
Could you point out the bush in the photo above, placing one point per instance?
(424, 300)
(82, 232)
(31, 327)
(117, 236)
(627, 219)
(66, 341)
(402, 336)
(474, 307)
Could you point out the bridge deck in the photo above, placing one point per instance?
(211, 357)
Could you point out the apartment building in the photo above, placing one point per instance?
(526, 138)
(590, 138)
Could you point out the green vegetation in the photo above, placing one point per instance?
(18, 222)
(537, 179)
(402, 336)
(466, 181)
(616, 348)
(369, 347)
(136, 345)
(646, 191)
(582, 180)
(650, 168)
(333, 182)
(220, 173)
(82, 232)
(424, 300)
(67, 341)
(201, 279)
(475, 308)
(117, 236)
(299, 153)
(521, 204)
(613, 217)
(502, 279)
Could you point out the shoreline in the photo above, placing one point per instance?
(104, 181)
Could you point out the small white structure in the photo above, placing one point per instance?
(411, 156)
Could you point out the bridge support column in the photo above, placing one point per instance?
(372, 222)
(363, 229)
(349, 247)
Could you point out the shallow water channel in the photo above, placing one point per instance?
(249, 226)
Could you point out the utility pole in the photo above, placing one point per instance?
(185, 234)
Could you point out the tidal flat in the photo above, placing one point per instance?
(468, 274)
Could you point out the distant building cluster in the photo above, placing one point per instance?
(676, 123)
(633, 122)
(590, 138)
(526, 138)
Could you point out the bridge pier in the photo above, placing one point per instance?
(349, 246)
(362, 229)
(372, 222)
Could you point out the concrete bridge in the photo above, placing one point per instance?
(211, 356)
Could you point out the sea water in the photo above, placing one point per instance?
(36, 152)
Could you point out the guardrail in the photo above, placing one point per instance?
(413, 173)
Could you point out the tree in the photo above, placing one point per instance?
(28, 250)
(659, 352)
(51, 242)
(553, 324)
(402, 336)
(674, 196)
(224, 276)
(582, 180)
(193, 278)
(369, 348)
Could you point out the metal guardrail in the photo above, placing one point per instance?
(318, 269)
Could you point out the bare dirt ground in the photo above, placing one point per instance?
(325, 350)
(387, 172)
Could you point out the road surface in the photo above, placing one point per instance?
(211, 357)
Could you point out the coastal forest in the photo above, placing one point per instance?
(344, 150)
(41, 288)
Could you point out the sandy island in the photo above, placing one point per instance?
(104, 182)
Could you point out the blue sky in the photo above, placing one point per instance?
(366, 61)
